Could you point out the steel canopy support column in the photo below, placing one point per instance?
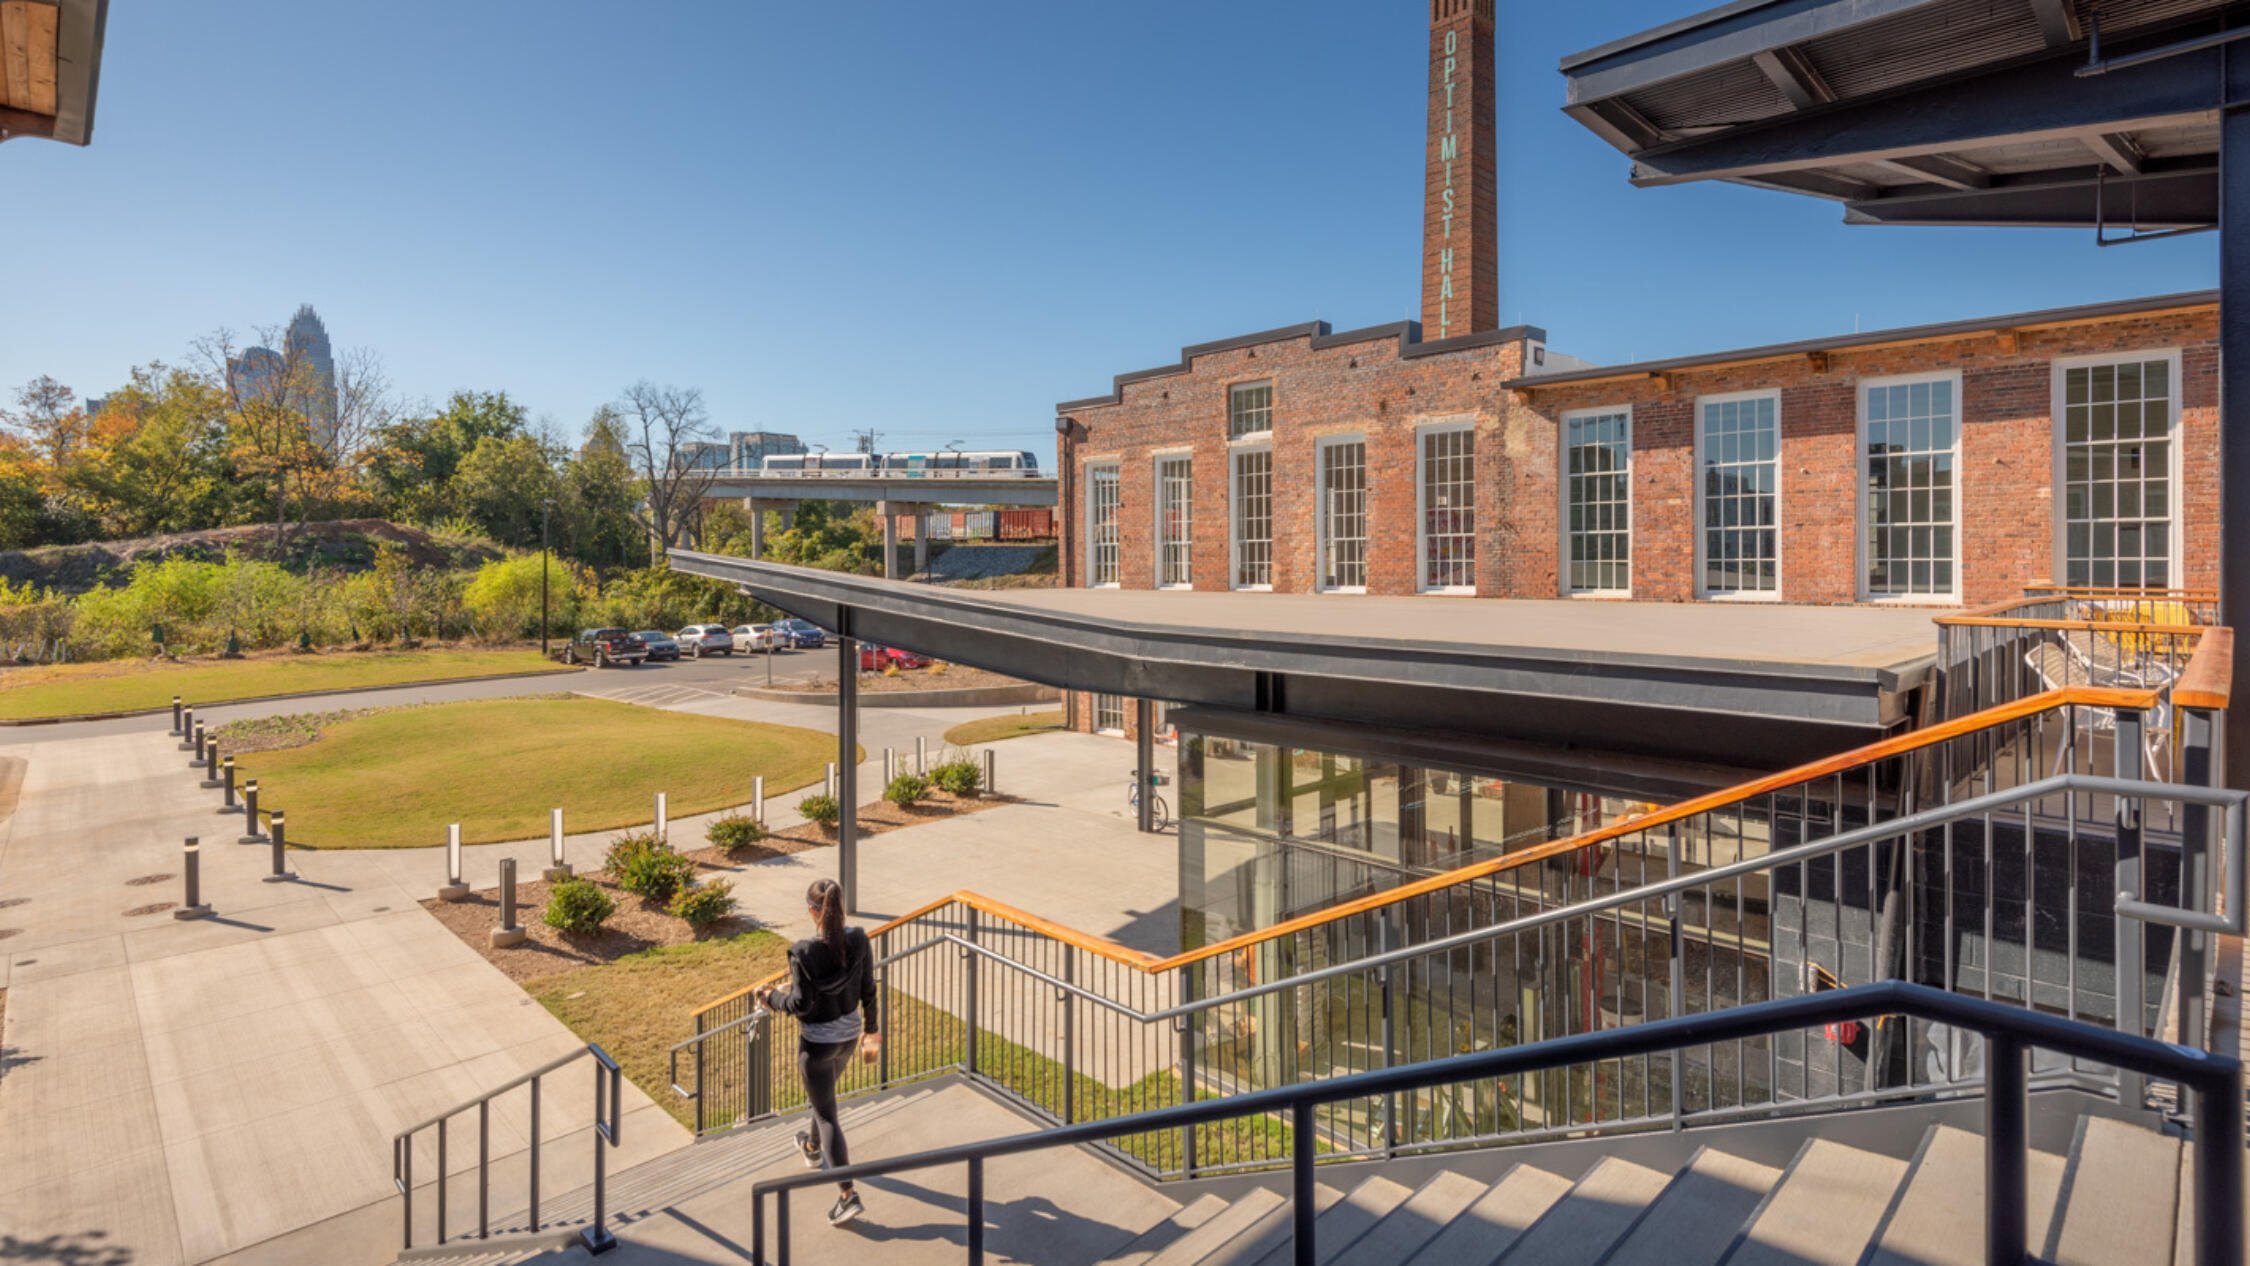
(847, 764)
(1144, 760)
(2234, 390)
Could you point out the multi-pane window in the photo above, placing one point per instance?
(1740, 444)
(1449, 514)
(1175, 540)
(1249, 409)
(1343, 515)
(1253, 518)
(1109, 713)
(1907, 533)
(2117, 474)
(1101, 525)
(1597, 501)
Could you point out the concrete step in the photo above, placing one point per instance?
(1344, 1222)
(2118, 1196)
(1823, 1212)
(1187, 1250)
(1498, 1218)
(1183, 1222)
(1938, 1216)
(1590, 1218)
(1267, 1233)
(1699, 1213)
(1425, 1214)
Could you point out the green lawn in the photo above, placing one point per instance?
(993, 729)
(496, 766)
(66, 690)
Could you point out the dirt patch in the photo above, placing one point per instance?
(640, 924)
(347, 545)
(955, 677)
(144, 881)
(154, 907)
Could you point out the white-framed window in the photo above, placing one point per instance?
(2117, 465)
(1175, 523)
(1597, 501)
(1101, 525)
(1250, 509)
(1738, 495)
(1342, 509)
(1446, 508)
(1109, 714)
(1909, 490)
(1249, 410)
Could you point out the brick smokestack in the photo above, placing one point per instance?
(1460, 217)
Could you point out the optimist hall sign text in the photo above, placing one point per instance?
(1449, 150)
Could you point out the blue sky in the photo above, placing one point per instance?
(937, 220)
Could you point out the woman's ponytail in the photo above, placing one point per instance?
(826, 897)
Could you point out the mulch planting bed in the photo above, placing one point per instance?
(641, 924)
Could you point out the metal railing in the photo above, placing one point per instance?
(608, 1085)
(751, 472)
(2055, 639)
(2047, 895)
(2009, 1035)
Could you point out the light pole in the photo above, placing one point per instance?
(545, 507)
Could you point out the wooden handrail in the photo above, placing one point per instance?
(2208, 679)
(2096, 626)
(1942, 732)
(2098, 591)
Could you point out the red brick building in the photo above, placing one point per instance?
(1945, 465)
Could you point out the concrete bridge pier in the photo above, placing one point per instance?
(921, 539)
(784, 509)
(888, 513)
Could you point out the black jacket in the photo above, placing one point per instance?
(822, 989)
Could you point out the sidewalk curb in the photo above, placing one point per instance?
(301, 694)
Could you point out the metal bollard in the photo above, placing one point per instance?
(198, 745)
(921, 755)
(988, 788)
(187, 728)
(454, 889)
(251, 834)
(226, 774)
(832, 780)
(175, 714)
(194, 909)
(557, 869)
(890, 767)
(758, 797)
(663, 826)
(211, 766)
(508, 933)
(281, 873)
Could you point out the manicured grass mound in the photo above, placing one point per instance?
(993, 729)
(68, 690)
(497, 766)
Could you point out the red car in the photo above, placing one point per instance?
(876, 658)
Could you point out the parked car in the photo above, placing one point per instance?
(699, 640)
(757, 637)
(603, 647)
(803, 634)
(659, 643)
(876, 658)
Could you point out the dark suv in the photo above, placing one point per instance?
(603, 647)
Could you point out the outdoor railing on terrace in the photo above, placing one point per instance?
(2004, 854)
(2055, 637)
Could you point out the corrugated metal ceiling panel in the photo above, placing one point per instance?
(1737, 92)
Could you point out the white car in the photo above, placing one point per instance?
(699, 640)
(758, 637)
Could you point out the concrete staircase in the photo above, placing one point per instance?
(2115, 1196)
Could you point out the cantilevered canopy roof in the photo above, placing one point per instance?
(50, 66)
(1926, 111)
(1648, 678)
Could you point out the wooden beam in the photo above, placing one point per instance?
(2057, 22)
(27, 55)
(1796, 76)
(15, 123)
(2115, 149)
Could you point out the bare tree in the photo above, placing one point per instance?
(290, 421)
(665, 430)
(48, 417)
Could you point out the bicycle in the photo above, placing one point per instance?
(1160, 814)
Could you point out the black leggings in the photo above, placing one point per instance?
(821, 1063)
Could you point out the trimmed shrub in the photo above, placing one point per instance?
(736, 830)
(578, 905)
(703, 904)
(625, 848)
(958, 777)
(646, 866)
(906, 789)
(821, 810)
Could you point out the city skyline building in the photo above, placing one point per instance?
(306, 356)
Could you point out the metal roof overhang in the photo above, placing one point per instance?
(1924, 111)
(1661, 705)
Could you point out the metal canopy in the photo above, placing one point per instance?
(1750, 709)
(1925, 111)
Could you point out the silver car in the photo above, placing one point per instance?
(757, 637)
(699, 640)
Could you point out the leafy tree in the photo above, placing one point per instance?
(596, 523)
(47, 416)
(502, 485)
(824, 535)
(413, 461)
(156, 460)
(502, 599)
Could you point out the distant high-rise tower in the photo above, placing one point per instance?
(306, 346)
